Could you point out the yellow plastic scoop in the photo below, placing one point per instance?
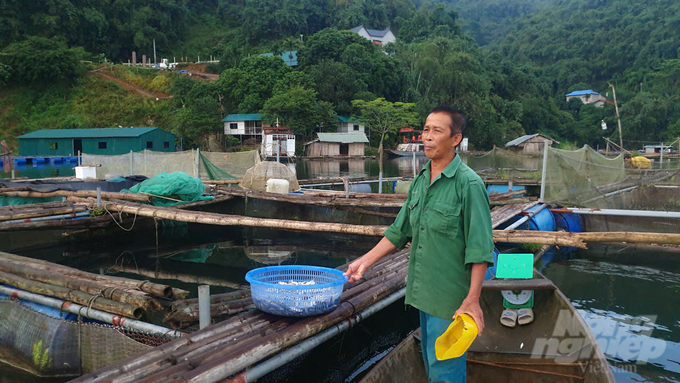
(457, 338)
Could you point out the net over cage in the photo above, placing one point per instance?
(256, 177)
(503, 163)
(147, 163)
(222, 165)
(51, 343)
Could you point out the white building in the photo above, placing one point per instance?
(347, 125)
(275, 138)
(589, 97)
(240, 125)
(383, 37)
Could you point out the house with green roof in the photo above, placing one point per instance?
(108, 141)
(243, 125)
(347, 124)
(337, 144)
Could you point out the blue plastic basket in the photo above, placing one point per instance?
(296, 300)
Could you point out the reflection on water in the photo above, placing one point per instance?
(45, 170)
(632, 310)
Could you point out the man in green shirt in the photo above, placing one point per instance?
(447, 219)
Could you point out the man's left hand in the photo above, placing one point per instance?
(471, 307)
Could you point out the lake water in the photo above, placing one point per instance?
(631, 302)
(611, 293)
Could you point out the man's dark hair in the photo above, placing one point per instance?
(627, 156)
(458, 120)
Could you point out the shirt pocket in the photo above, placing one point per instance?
(445, 218)
(414, 211)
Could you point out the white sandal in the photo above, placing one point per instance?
(509, 318)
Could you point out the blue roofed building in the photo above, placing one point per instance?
(589, 96)
(289, 57)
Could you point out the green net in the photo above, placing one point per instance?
(13, 201)
(213, 172)
(223, 165)
(169, 189)
(501, 163)
(53, 347)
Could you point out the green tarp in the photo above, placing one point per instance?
(177, 186)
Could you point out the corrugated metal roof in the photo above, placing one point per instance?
(342, 138)
(581, 92)
(88, 133)
(520, 140)
(243, 117)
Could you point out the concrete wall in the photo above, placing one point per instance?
(348, 127)
(241, 128)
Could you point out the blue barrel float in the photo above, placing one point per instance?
(57, 160)
(544, 220)
(570, 223)
(38, 160)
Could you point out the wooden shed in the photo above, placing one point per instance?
(530, 143)
(337, 144)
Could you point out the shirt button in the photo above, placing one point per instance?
(424, 209)
(422, 228)
(420, 247)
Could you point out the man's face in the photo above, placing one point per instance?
(437, 138)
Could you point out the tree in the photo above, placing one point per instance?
(298, 110)
(384, 118)
(38, 59)
(246, 88)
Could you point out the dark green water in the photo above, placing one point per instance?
(631, 300)
(609, 294)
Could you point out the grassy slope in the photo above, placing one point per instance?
(89, 103)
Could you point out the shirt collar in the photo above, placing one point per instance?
(450, 169)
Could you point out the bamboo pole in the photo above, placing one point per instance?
(233, 220)
(133, 297)
(157, 354)
(82, 223)
(32, 213)
(190, 313)
(217, 364)
(312, 200)
(291, 328)
(97, 302)
(78, 193)
(247, 324)
(145, 286)
(188, 278)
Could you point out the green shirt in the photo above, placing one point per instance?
(448, 223)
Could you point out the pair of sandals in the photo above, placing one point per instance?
(512, 317)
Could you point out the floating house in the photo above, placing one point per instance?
(108, 141)
(337, 144)
(530, 143)
(278, 140)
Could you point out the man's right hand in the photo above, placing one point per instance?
(356, 270)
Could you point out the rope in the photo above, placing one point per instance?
(121, 219)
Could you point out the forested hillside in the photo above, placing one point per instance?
(506, 63)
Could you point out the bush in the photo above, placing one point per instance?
(161, 84)
(230, 141)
